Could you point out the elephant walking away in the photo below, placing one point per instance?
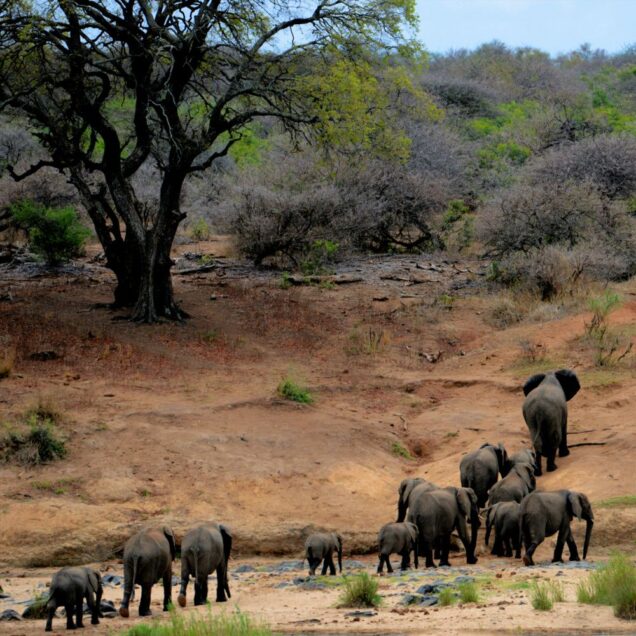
(204, 550)
(480, 469)
(321, 546)
(436, 513)
(543, 514)
(518, 483)
(545, 411)
(148, 557)
(397, 538)
(69, 587)
(504, 518)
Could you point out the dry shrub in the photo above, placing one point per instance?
(422, 447)
(505, 313)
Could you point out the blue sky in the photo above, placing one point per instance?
(554, 26)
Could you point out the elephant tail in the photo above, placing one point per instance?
(195, 557)
(310, 555)
(129, 584)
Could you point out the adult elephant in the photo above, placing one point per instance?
(436, 513)
(543, 514)
(397, 538)
(69, 587)
(504, 518)
(518, 483)
(406, 491)
(148, 557)
(480, 469)
(546, 413)
(204, 550)
(321, 546)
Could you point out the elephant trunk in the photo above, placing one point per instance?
(474, 527)
(401, 510)
(340, 556)
(588, 536)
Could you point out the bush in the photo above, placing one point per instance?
(613, 584)
(200, 231)
(54, 233)
(360, 591)
(401, 451)
(289, 390)
(235, 624)
(468, 592)
(609, 347)
(39, 445)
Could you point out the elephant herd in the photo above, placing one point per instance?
(427, 515)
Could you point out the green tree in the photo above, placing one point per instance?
(110, 85)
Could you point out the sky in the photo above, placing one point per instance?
(555, 26)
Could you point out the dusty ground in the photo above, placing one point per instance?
(176, 424)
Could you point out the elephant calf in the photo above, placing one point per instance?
(397, 538)
(203, 550)
(504, 517)
(545, 513)
(514, 486)
(545, 411)
(322, 545)
(69, 587)
(148, 557)
(480, 469)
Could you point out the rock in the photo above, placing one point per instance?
(243, 569)
(309, 583)
(10, 615)
(284, 566)
(43, 356)
(423, 600)
(432, 588)
(352, 564)
(108, 609)
(112, 580)
(362, 613)
(175, 581)
(464, 579)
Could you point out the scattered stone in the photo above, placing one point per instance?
(380, 299)
(464, 579)
(309, 583)
(108, 609)
(10, 615)
(433, 588)
(423, 600)
(112, 580)
(362, 613)
(351, 564)
(284, 566)
(243, 569)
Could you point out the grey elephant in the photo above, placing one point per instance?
(543, 514)
(436, 513)
(204, 550)
(480, 469)
(524, 456)
(504, 518)
(397, 538)
(518, 483)
(321, 546)
(545, 410)
(406, 490)
(69, 587)
(148, 557)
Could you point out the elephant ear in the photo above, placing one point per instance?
(575, 505)
(413, 530)
(533, 382)
(170, 537)
(94, 580)
(463, 501)
(569, 382)
(227, 541)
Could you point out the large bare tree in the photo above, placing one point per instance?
(108, 85)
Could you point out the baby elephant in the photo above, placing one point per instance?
(322, 545)
(203, 550)
(398, 538)
(518, 483)
(504, 517)
(69, 587)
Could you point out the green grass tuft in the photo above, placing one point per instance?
(541, 597)
(235, 624)
(289, 390)
(468, 592)
(446, 597)
(618, 502)
(613, 584)
(401, 451)
(360, 591)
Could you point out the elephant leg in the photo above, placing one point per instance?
(49, 618)
(426, 549)
(537, 464)
(93, 606)
(79, 614)
(144, 603)
(406, 560)
(68, 608)
(463, 535)
(517, 546)
(416, 563)
(496, 548)
(221, 575)
(182, 598)
(167, 590)
(550, 461)
(204, 588)
(438, 549)
(558, 548)
(325, 565)
(574, 552)
(380, 564)
(530, 548)
(387, 560)
(508, 547)
(332, 566)
(445, 549)
(197, 593)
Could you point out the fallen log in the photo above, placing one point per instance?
(587, 444)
